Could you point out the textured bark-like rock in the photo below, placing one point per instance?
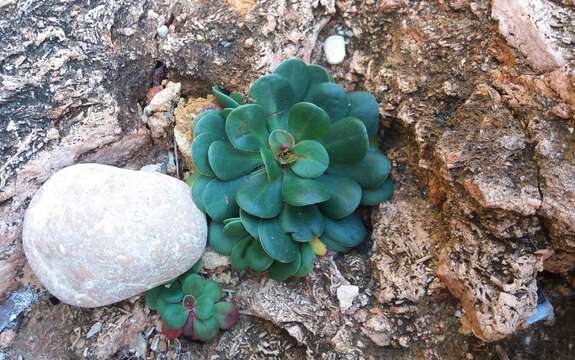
(497, 287)
(530, 26)
(491, 137)
(74, 76)
(95, 235)
(159, 114)
(404, 241)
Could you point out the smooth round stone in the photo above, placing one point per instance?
(95, 234)
(334, 49)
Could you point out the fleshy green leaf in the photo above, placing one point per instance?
(312, 159)
(229, 220)
(190, 180)
(278, 121)
(174, 315)
(374, 197)
(235, 228)
(226, 112)
(345, 196)
(204, 307)
(301, 222)
(275, 242)
(238, 256)
(212, 290)
(250, 223)
(246, 127)
(307, 121)
(257, 258)
(237, 96)
(229, 163)
(205, 330)
(199, 184)
(259, 197)
(346, 141)
(332, 244)
(152, 296)
(301, 192)
(318, 74)
(307, 256)
(318, 246)
(219, 240)
(273, 169)
(172, 294)
(193, 284)
(224, 100)
(345, 233)
(219, 198)
(370, 172)
(273, 93)
(296, 73)
(209, 122)
(330, 97)
(282, 271)
(280, 140)
(364, 107)
(227, 314)
(200, 147)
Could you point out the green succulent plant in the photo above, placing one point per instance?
(190, 305)
(282, 172)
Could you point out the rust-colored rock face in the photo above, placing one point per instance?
(496, 284)
(488, 104)
(528, 25)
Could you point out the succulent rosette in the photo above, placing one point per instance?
(282, 172)
(191, 306)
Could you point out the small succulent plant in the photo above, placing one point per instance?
(282, 172)
(191, 306)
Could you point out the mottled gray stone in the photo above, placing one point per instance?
(95, 234)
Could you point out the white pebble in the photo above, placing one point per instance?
(94, 330)
(162, 31)
(346, 294)
(334, 49)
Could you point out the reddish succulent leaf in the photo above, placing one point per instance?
(188, 329)
(171, 333)
(227, 314)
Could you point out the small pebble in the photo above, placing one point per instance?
(162, 31)
(334, 49)
(249, 42)
(94, 330)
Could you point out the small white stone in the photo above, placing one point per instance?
(346, 294)
(162, 31)
(334, 49)
(94, 329)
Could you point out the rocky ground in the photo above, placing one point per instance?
(477, 102)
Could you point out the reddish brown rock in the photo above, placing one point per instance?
(527, 26)
(184, 115)
(496, 287)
